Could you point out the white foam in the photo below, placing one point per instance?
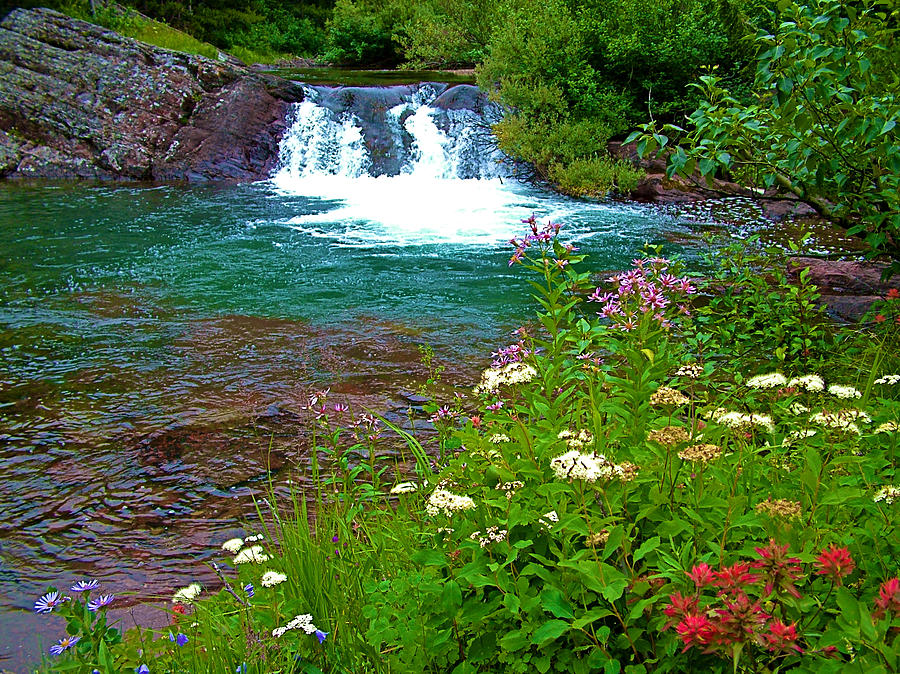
(407, 209)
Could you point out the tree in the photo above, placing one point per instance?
(823, 125)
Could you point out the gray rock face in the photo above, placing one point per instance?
(79, 101)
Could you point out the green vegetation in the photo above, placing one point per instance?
(637, 492)
(822, 124)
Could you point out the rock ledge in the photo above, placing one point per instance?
(80, 101)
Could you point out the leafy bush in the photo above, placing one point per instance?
(358, 34)
(595, 177)
(823, 126)
(446, 33)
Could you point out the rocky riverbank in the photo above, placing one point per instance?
(80, 101)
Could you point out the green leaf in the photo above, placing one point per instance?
(590, 616)
(451, 596)
(482, 647)
(554, 601)
(514, 641)
(550, 630)
(614, 589)
(646, 547)
(429, 557)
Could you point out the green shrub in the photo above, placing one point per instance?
(358, 34)
(595, 177)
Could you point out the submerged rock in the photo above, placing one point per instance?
(80, 101)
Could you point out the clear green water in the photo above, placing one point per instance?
(156, 341)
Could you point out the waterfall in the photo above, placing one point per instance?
(428, 131)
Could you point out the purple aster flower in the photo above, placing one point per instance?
(85, 585)
(599, 296)
(63, 644)
(335, 538)
(49, 601)
(684, 285)
(320, 635)
(610, 309)
(495, 406)
(143, 669)
(100, 602)
(248, 588)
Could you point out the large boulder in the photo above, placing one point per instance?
(80, 101)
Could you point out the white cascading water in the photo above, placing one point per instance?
(436, 176)
(316, 144)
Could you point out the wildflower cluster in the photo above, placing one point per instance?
(666, 396)
(669, 436)
(888, 494)
(741, 420)
(576, 439)
(573, 465)
(491, 535)
(446, 502)
(701, 453)
(747, 596)
(771, 380)
(648, 289)
(187, 595)
(511, 374)
(301, 622)
(779, 508)
(690, 370)
(540, 236)
(85, 617)
(404, 488)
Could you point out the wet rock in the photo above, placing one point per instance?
(848, 287)
(80, 101)
(462, 97)
(656, 187)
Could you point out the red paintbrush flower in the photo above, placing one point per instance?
(835, 563)
(778, 569)
(694, 630)
(734, 578)
(702, 575)
(781, 638)
(888, 598)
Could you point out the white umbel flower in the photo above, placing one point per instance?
(187, 595)
(887, 427)
(232, 545)
(507, 375)
(888, 494)
(845, 392)
(573, 465)
(443, 501)
(302, 622)
(889, 379)
(272, 578)
(742, 421)
(809, 382)
(770, 380)
(254, 553)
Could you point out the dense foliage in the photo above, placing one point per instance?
(822, 124)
